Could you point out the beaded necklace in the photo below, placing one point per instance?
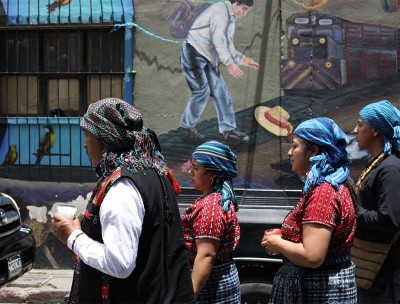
(368, 169)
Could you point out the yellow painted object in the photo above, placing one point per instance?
(312, 4)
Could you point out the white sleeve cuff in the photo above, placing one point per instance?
(72, 237)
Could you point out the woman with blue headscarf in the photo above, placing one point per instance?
(378, 131)
(317, 234)
(210, 225)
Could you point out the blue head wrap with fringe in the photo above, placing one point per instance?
(220, 159)
(331, 165)
(383, 117)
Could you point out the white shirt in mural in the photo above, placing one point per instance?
(212, 34)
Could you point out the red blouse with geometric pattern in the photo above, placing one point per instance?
(321, 206)
(205, 218)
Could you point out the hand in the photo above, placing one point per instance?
(62, 227)
(248, 62)
(271, 244)
(234, 70)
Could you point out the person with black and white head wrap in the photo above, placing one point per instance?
(129, 246)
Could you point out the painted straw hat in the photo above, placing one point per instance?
(274, 120)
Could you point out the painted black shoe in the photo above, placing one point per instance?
(190, 134)
(235, 136)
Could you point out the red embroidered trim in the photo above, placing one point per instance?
(101, 193)
(175, 184)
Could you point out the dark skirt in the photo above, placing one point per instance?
(287, 287)
(294, 284)
(223, 285)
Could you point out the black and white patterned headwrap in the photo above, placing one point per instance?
(119, 127)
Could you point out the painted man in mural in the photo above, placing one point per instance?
(210, 41)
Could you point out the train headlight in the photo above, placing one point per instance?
(328, 64)
(322, 40)
(295, 41)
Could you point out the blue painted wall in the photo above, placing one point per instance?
(26, 134)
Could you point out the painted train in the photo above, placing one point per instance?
(326, 52)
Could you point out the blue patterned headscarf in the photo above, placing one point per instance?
(219, 158)
(383, 117)
(331, 165)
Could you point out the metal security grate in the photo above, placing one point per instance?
(48, 77)
(58, 72)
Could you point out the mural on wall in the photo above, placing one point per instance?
(331, 66)
(209, 31)
(342, 52)
(328, 63)
(52, 141)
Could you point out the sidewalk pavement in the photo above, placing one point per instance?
(38, 286)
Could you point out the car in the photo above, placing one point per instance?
(17, 243)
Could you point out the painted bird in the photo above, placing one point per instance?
(46, 143)
(56, 5)
(11, 156)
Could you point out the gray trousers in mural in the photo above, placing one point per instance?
(205, 81)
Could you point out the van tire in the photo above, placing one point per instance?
(255, 293)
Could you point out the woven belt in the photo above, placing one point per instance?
(339, 266)
(222, 257)
(336, 262)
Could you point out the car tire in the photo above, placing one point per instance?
(255, 293)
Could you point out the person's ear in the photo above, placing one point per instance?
(314, 150)
(213, 177)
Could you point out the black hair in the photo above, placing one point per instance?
(240, 2)
(307, 145)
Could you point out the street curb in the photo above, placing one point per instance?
(32, 295)
(39, 286)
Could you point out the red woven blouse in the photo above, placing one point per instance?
(205, 218)
(321, 207)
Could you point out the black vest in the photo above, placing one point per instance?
(162, 272)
